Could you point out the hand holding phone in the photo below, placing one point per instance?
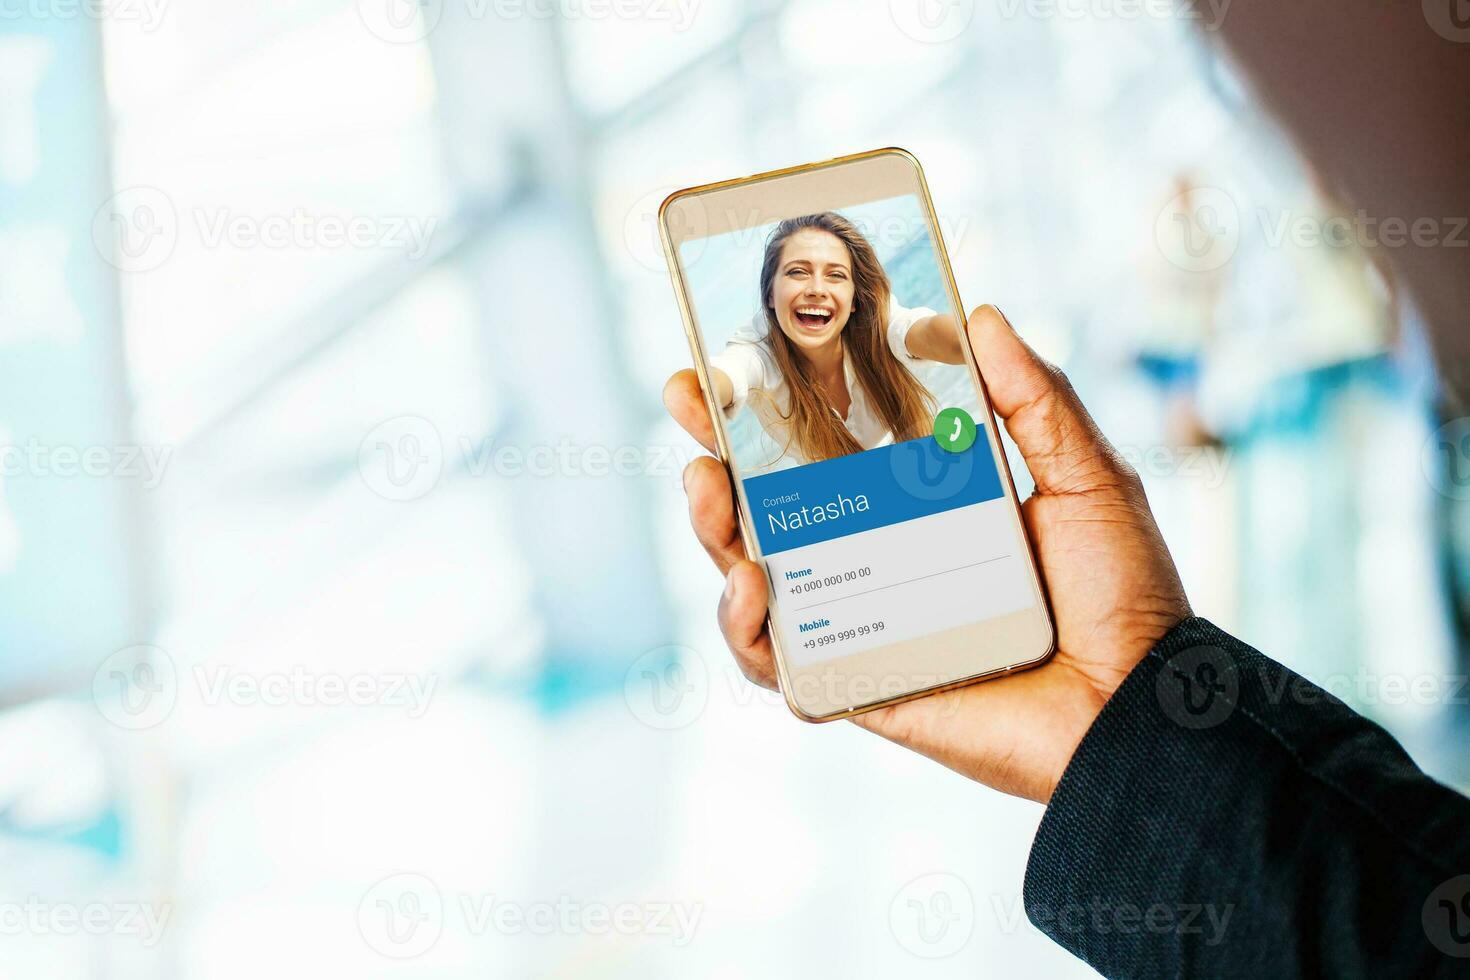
(1113, 587)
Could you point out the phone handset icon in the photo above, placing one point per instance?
(954, 430)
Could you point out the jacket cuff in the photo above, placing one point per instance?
(1109, 873)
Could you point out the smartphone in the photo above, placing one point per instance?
(870, 484)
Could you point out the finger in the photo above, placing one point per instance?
(685, 403)
(1064, 450)
(712, 511)
(743, 621)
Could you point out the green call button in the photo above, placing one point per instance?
(954, 430)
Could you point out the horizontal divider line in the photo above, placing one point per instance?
(920, 578)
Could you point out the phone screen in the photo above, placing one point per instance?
(862, 449)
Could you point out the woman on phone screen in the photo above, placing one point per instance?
(829, 371)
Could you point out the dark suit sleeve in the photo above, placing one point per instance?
(1223, 817)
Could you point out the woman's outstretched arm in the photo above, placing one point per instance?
(724, 388)
(936, 338)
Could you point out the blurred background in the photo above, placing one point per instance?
(349, 620)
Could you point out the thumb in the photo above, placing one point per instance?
(1064, 450)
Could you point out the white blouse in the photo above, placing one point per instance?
(748, 362)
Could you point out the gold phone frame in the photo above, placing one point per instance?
(785, 673)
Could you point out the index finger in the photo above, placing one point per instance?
(685, 403)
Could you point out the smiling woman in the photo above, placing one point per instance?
(830, 373)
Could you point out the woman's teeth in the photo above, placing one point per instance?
(812, 316)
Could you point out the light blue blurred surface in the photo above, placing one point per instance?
(586, 736)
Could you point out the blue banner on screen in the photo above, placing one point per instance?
(866, 490)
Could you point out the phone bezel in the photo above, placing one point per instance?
(871, 182)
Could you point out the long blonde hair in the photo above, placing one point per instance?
(903, 404)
